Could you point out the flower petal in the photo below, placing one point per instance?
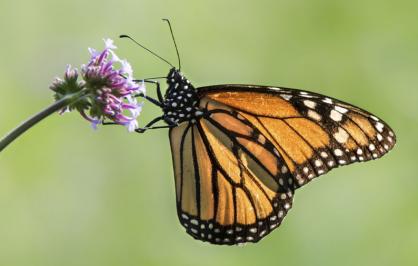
(126, 68)
(142, 88)
(132, 125)
(109, 43)
(95, 122)
(136, 111)
(115, 58)
(93, 52)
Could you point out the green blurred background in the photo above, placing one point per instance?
(73, 196)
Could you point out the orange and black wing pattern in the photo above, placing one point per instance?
(237, 166)
(312, 132)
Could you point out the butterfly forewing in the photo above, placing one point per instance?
(312, 132)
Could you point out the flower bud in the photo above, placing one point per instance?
(57, 85)
(71, 75)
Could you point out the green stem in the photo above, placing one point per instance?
(56, 106)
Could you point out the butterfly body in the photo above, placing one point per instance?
(241, 151)
(181, 100)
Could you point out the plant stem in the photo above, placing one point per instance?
(19, 130)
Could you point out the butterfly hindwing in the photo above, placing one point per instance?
(231, 187)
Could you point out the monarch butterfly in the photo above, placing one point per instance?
(240, 151)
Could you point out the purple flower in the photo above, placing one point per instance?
(110, 89)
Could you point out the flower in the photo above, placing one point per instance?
(110, 89)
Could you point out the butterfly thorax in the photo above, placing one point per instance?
(180, 100)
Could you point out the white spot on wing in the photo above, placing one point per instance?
(374, 118)
(284, 169)
(314, 115)
(309, 104)
(338, 152)
(327, 100)
(287, 97)
(341, 135)
(379, 126)
(310, 176)
(341, 109)
(283, 196)
(336, 116)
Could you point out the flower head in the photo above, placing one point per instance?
(110, 89)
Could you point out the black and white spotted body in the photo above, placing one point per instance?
(180, 100)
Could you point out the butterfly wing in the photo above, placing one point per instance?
(312, 132)
(230, 186)
(237, 166)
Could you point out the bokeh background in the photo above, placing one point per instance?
(73, 196)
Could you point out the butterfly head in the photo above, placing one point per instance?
(180, 100)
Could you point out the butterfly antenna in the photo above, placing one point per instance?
(174, 40)
(132, 39)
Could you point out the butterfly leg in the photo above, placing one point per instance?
(142, 130)
(147, 126)
(157, 84)
(152, 122)
(159, 94)
(152, 100)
